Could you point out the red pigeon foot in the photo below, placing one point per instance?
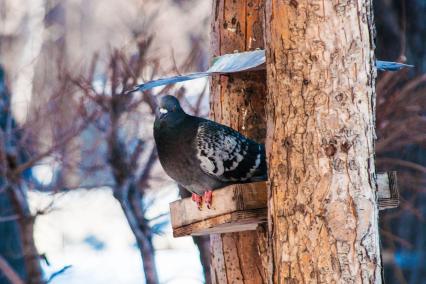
(197, 199)
(208, 197)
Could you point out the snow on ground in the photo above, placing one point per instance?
(88, 230)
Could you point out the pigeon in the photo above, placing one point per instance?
(202, 155)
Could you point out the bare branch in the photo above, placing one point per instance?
(9, 218)
(59, 272)
(403, 163)
(144, 176)
(70, 135)
(8, 271)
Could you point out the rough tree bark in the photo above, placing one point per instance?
(238, 101)
(320, 110)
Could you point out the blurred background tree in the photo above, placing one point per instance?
(75, 141)
(69, 64)
(401, 144)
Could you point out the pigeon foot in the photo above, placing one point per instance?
(208, 197)
(197, 199)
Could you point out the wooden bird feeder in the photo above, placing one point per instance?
(235, 208)
(242, 207)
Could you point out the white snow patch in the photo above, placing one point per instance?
(78, 214)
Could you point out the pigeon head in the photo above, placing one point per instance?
(169, 111)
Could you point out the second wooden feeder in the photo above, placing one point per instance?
(242, 207)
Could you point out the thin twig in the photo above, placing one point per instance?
(59, 272)
(403, 163)
(397, 239)
(63, 141)
(9, 218)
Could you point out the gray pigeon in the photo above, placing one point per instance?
(202, 155)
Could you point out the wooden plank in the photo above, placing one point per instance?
(242, 207)
(229, 222)
(388, 193)
(226, 200)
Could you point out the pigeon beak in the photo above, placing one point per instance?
(161, 112)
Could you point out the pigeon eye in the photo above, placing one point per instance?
(163, 110)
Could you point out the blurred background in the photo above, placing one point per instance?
(80, 185)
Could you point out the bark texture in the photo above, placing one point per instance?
(238, 101)
(320, 110)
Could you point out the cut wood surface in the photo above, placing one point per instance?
(227, 200)
(237, 221)
(388, 192)
(242, 207)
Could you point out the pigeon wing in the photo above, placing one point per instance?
(228, 155)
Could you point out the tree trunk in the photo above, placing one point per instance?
(202, 243)
(238, 101)
(128, 192)
(10, 239)
(322, 207)
(16, 234)
(26, 228)
(130, 200)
